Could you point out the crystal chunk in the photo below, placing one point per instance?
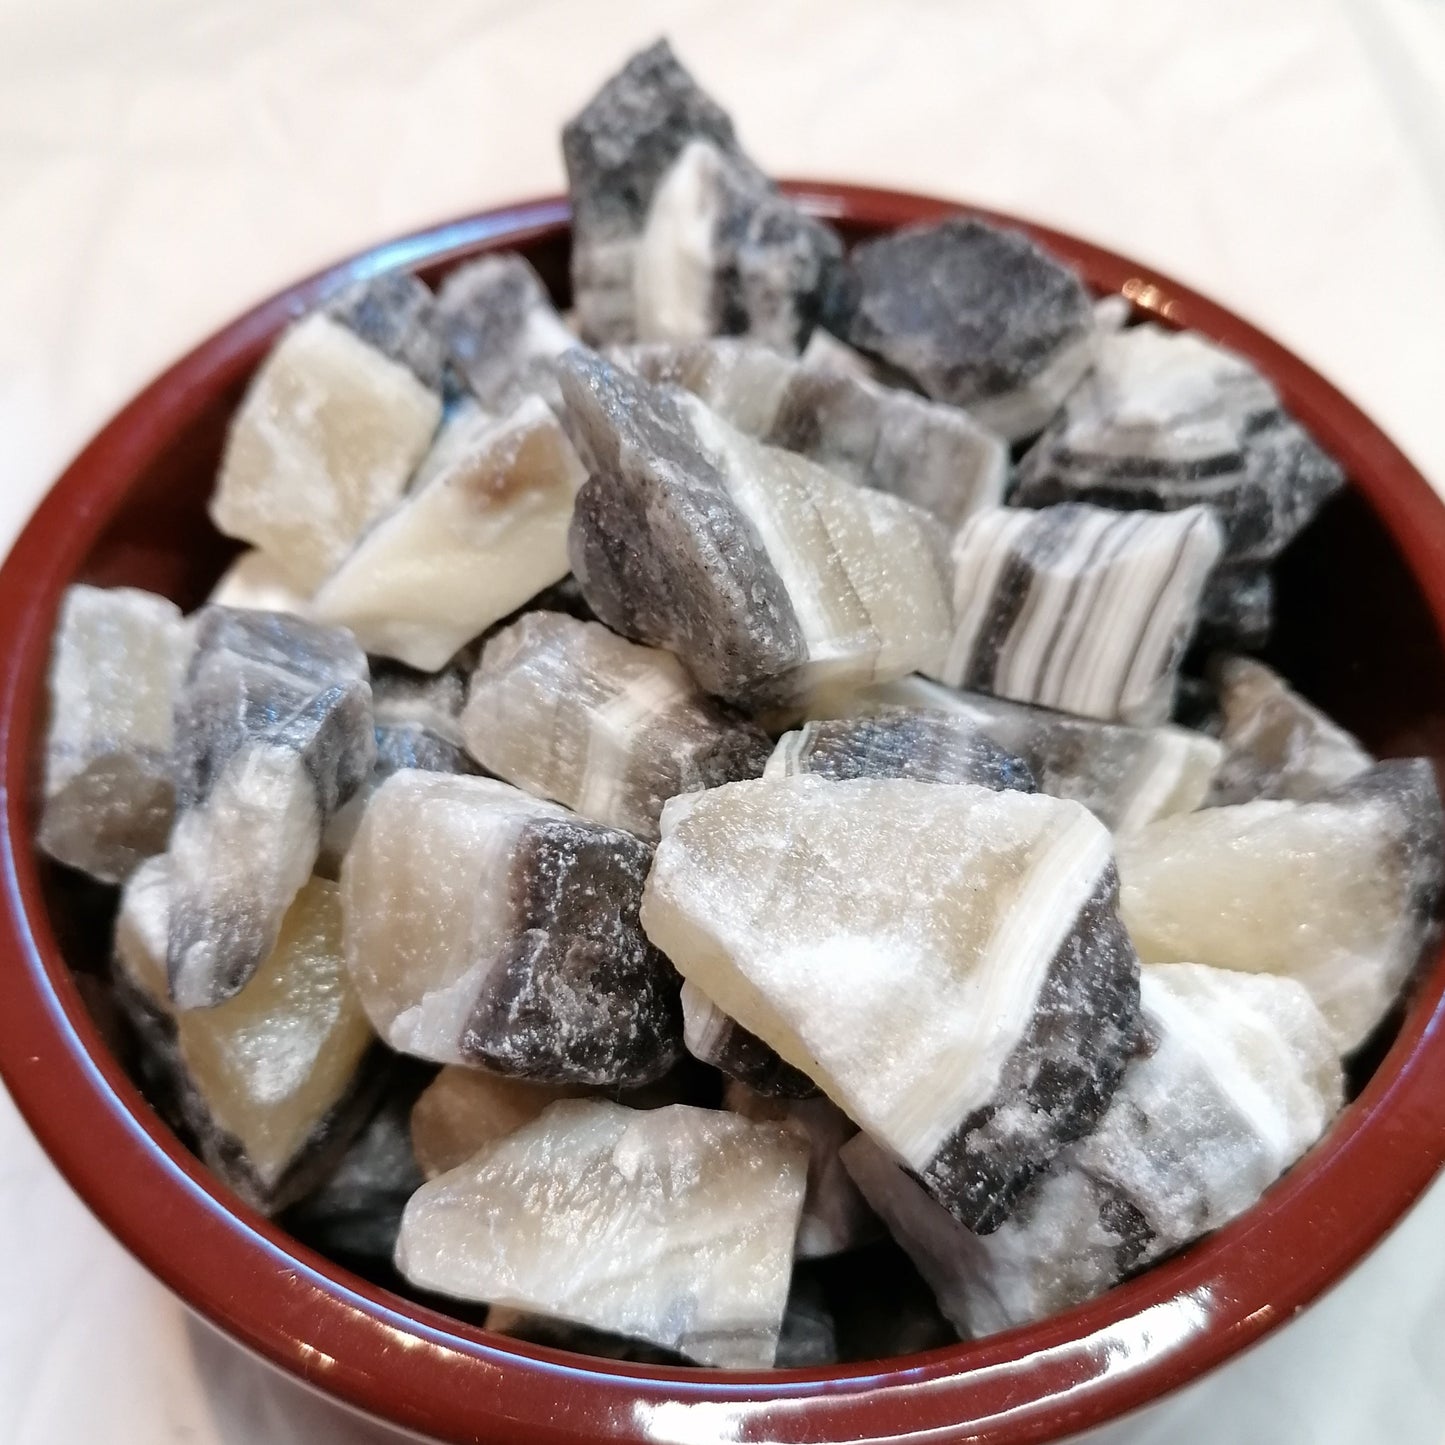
(930, 454)
(1339, 893)
(568, 710)
(1077, 607)
(944, 961)
(976, 315)
(396, 314)
(273, 735)
(487, 927)
(254, 583)
(322, 444)
(1240, 1078)
(767, 575)
(715, 1039)
(478, 540)
(116, 665)
(674, 1226)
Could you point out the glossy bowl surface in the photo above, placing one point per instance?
(1361, 624)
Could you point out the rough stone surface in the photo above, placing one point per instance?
(715, 1039)
(397, 314)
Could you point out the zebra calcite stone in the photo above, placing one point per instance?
(502, 330)
(569, 711)
(483, 535)
(254, 583)
(944, 961)
(1276, 744)
(715, 1039)
(486, 927)
(975, 315)
(396, 314)
(323, 443)
(273, 736)
(932, 455)
(673, 1226)
(116, 665)
(768, 576)
(1077, 607)
(1341, 893)
(925, 744)
(1240, 1078)
(273, 1083)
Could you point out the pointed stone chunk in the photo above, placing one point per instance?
(570, 711)
(1340, 893)
(674, 1226)
(323, 443)
(486, 927)
(116, 665)
(944, 961)
(273, 736)
(396, 314)
(768, 576)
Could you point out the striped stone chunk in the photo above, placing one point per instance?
(486, 532)
(1340, 892)
(930, 454)
(570, 711)
(723, 1043)
(944, 961)
(1239, 1079)
(486, 927)
(1078, 608)
(769, 577)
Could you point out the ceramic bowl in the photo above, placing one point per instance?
(1362, 609)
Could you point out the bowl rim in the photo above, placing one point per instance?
(345, 1336)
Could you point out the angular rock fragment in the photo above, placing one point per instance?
(825, 352)
(324, 442)
(932, 455)
(676, 233)
(977, 316)
(1126, 776)
(273, 736)
(673, 1226)
(501, 330)
(1241, 1078)
(767, 575)
(116, 665)
(944, 961)
(480, 538)
(1340, 893)
(570, 711)
(1276, 744)
(835, 1218)
(715, 1039)
(255, 583)
(927, 745)
(397, 314)
(1079, 608)
(274, 1082)
(486, 927)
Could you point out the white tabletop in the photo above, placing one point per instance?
(163, 163)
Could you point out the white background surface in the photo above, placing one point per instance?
(164, 163)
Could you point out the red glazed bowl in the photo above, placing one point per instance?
(1362, 613)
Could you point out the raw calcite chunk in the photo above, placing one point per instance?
(673, 1225)
(274, 1082)
(767, 575)
(323, 443)
(486, 927)
(976, 315)
(501, 330)
(570, 711)
(1126, 776)
(256, 583)
(397, 314)
(835, 1218)
(480, 538)
(944, 961)
(115, 667)
(930, 454)
(676, 233)
(715, 1039)
(273, 736)
(1165, 420)
(1276, 744)
(1340, 893)
(928, 745)
(1079, 608)
(1240, 1079)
